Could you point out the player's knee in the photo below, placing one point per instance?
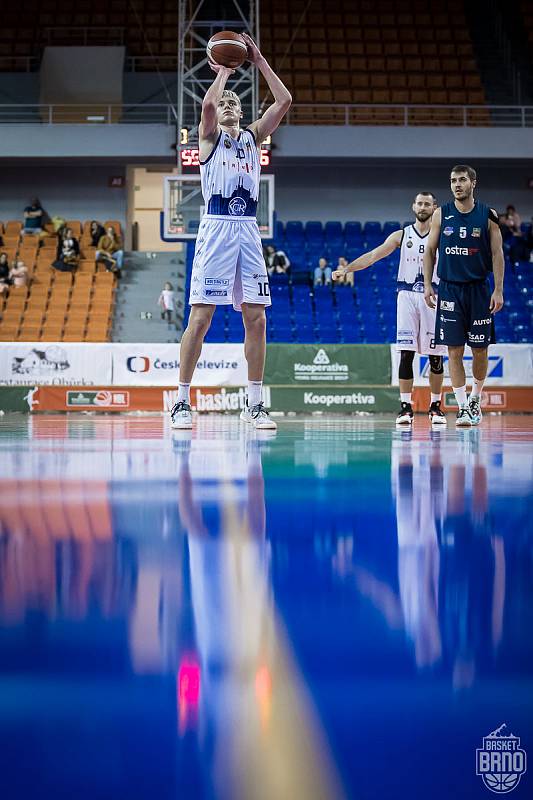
(199, 322)
(255, 322)
(456, 353)
(405, 372)
(436, 365)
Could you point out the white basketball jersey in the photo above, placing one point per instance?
(411, 268)
(230, 177)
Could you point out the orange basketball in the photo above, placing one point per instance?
(227, 49)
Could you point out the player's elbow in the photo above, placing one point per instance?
(286, 102)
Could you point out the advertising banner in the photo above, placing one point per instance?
(55, 364)
(342, 364)
(509, 365)
(15, 398)
(158, 365)
(216, 399)
(222, 399)
(518, 399)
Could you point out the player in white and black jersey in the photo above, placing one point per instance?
(229, 267)
(415, 328)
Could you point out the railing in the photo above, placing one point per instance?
(415, 115)
(87, 114)
(83, 36)
(19, 63)
(299, 114)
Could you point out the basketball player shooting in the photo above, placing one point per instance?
(229, 267)
(415, 327)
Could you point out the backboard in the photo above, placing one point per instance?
(183, 206)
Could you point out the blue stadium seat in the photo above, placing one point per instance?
(279, 231)
(333, 230)
(314, 233)
(390, 227)
(353, 231)
(372, 229)
(294, 230)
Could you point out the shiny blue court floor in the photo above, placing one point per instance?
(338, 610)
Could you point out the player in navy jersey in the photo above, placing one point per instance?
(469, 242)
(229, 267)
(415, 322)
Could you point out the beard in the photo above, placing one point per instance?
(423, 216)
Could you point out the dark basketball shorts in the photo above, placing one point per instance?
(463, 315)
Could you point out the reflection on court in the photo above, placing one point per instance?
(228, 614)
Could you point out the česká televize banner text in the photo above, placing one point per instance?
(340, 365)
(158, 365)
(509, 365)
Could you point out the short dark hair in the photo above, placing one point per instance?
(426, 194)
(470, 171)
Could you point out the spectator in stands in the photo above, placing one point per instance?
(19, 274)
(4, 274)
(96, 232)
(110, 251)
(512, 214)
(167, 302)
(68, 252)
(33, 217)
(515, 244)
(347, 279)
(323, 273)
(277, 262)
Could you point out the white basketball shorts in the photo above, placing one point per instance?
(229, 266)
(415, 325)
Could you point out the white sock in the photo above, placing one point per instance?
(184, 392)
(477, 387)
(405, 397)
(460, 395)
(435, 398)
(254, 393)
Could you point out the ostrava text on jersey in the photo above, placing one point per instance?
(464, 245)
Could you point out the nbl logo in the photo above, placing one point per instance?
(501, 761)
(237, 207)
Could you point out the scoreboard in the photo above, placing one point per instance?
(189, 154)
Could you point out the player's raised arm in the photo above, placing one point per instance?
(430, 255)
(272, 117)
(209, 127)
(383, 250)
(498, 264)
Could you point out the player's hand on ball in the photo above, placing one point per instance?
(219, 68)
(496, 302)
(430, 297)
(254, 54)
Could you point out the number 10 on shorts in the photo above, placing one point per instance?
(263, 289)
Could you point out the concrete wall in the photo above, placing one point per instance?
(73, 192)
(383, 190)
(311, 190)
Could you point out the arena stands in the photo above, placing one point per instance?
(366, 314)
(56, 306)
(374, 52)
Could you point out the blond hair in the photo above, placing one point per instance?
(229, 93)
